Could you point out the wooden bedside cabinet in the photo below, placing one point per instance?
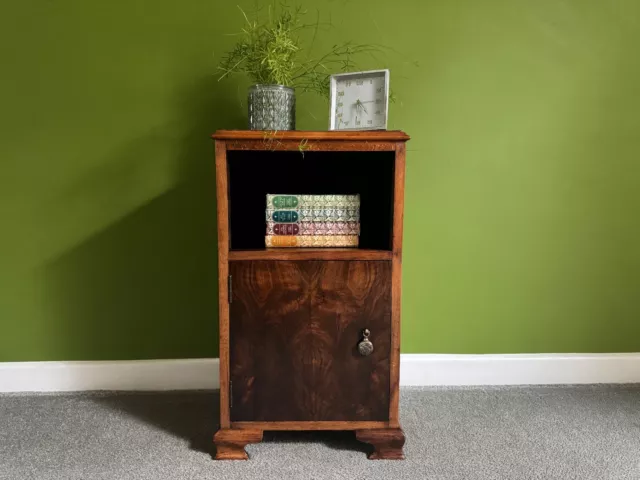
(292, 319)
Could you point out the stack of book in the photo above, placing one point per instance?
(312, 220)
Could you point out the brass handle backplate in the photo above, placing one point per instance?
(365, 347)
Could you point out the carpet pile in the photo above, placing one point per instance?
(546, 433)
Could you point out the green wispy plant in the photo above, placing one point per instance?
(272, 51)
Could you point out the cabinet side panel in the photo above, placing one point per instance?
(398, 217)
(223, 275)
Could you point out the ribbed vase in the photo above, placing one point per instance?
(272, 107)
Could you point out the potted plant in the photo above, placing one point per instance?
(271, 52)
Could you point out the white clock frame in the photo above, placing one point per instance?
(344, 76)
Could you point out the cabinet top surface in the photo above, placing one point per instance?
(300, 135)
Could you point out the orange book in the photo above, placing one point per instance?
(311, 241)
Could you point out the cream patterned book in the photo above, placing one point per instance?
(326, 214)
(313, 228)
(293, 202)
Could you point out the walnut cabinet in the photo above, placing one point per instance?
(291, 319)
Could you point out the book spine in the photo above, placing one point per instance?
(327, 214)
(287, 202)
(281, 241)
(282, 201)
(282, 228)
(311, 240)
(313, 228)
(282, 216)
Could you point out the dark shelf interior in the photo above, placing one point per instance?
(253, 174)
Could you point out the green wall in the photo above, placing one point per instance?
(522, 223)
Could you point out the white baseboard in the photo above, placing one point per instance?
(183, 374)
(519, 369)
(415, 370)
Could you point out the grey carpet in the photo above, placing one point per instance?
(589, 432)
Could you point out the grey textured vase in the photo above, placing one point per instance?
(272, 107)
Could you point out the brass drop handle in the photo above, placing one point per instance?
(365, 347)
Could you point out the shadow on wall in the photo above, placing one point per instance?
(146, 286)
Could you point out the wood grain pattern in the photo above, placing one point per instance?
(230, 444)
(387, 443)
(396, 289)
(223, 273)
(311, 254)
(295, 327)
(352, 425)
(311, 146)
(298, 135)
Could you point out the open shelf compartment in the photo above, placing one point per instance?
(255, 173)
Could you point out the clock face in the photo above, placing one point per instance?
(359, 101)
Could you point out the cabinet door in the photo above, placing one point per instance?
(295, 328)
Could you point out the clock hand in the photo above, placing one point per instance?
(361, 105)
